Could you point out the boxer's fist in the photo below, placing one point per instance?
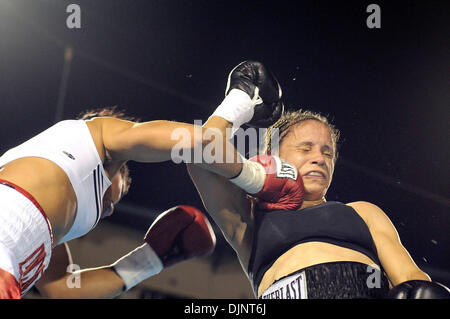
(249, 75)
(283, 186)
(178, 234)
(419, 289)
(181, 233)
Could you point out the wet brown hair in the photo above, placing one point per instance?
(106, 112)
(291, 118)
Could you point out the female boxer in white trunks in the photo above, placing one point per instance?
(59, 184)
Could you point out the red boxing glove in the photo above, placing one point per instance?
(179, 234)
(283, 187)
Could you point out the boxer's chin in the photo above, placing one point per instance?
(315, 191)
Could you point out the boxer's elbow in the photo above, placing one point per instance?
(418, 275)
(411, 275)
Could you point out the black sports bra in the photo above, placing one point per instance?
(331, 222)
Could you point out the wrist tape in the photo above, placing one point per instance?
(237, 108)
(138, 265)
(251, 178)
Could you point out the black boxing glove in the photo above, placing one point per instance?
(419, 289)
(253, 77)
(252, 97)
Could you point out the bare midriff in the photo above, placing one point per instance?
(50, 187)
(309, 254)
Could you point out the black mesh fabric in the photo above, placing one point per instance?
(345, 280)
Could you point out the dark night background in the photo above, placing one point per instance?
(386, 89)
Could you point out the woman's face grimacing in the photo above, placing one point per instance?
(310, 148)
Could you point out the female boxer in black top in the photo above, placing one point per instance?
(321, 250)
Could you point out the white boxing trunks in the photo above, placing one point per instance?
(26, 239)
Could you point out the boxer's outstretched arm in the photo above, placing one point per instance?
(159, 141)
(94, 283)
(151, 141)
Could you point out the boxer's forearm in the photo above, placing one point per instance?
(99, 283)
(226, 157)
(95, 283)
(218, 123)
